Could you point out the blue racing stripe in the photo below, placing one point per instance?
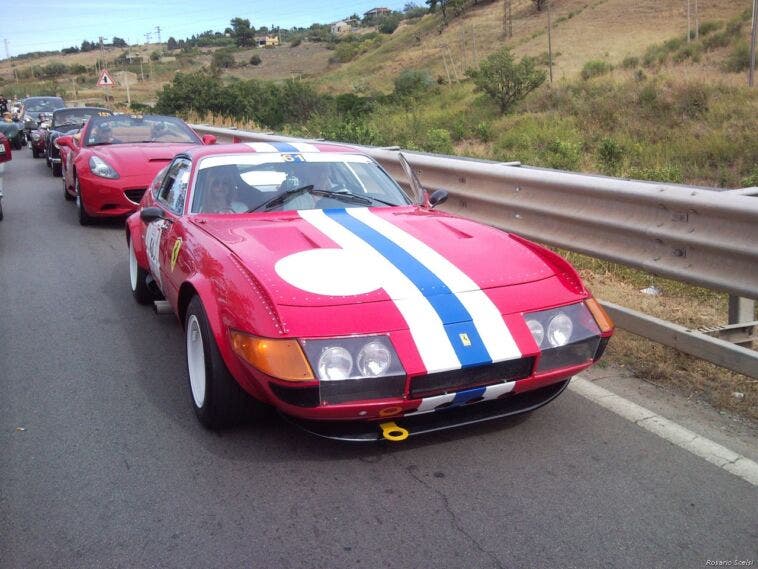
(457, 321)
(284, 147)
(463, 397)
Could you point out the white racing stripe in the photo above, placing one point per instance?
(304, 147)
(262, 146)
(485, 315)
(423, 322)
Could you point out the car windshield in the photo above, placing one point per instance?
(77, 116)
(125, 129)
(264, 182)
(46, 105)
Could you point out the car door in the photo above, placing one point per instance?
(164, 238)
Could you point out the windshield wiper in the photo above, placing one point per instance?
(281, 198)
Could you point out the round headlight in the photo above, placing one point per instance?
(537, 330)
(335, 363)
(559, 330)
(374, 359)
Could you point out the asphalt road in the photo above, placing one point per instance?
(103, 464)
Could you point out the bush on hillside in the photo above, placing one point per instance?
(413, 82)
(595, 68)
(255, 59)
(506, 81)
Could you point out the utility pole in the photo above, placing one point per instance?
(697, 22)
(549, 42)
(507, 19)
(7, 54)
(689, 24)
(148, 35)
(751, 73)
(158, 32)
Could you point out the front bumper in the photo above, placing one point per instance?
(472, 414)
(110, 198)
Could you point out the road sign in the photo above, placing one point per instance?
(105, 79)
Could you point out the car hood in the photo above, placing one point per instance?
(302, 262)
(130, 159)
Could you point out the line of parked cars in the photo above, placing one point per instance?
(310, 281)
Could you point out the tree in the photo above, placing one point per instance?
(119, 42)
(506, 81)
(243, 33)
(222, 59)
(539, 4)
(171, 44)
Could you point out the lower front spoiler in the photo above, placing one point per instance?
(367, 432)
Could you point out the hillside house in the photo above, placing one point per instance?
(341, 27)
(375, 12)
(267, 41)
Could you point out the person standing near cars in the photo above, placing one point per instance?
(3, 105)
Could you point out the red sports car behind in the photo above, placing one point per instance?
(108, 166)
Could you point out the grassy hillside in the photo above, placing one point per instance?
(582, 30)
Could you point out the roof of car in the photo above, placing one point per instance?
(198, 152)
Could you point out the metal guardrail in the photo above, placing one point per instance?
(688, 234)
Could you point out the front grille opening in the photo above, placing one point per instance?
(135, 195)
(455, 380)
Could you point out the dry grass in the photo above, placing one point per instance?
(306, 60)
(583, 30)
(686, 305)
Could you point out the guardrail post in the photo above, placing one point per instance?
(741, 309)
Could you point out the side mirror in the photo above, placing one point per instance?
(209, 139)
(151, 213)
(64, 141)
(438, 197)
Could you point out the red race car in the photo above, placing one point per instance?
(108, 165)
(307, 279)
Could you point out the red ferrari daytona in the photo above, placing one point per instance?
(307, 279)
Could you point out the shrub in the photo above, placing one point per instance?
(345, 52)
(484, 131)
(692, 100)
(412, 82)
(222, 59)
(506, 81)
(689, 51)
(667, 173)
(562, 155)
(296, 41)
(439, 140)
(389, 24)
(715, 41)
(751, 180)
(255, 59)
(595, 68)
(739, 58)
(709, 26)
(610, 154)
(630, 62)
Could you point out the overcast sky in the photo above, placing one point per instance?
(49, 25)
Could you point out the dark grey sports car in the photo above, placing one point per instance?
(35, 110)
(67, 121)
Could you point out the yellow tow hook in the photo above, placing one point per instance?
(392, 432)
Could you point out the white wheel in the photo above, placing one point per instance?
(196, 360)
(138, 278)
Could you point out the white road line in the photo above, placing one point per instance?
(714, 453)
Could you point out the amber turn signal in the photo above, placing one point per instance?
(283, 359)
(604, 322)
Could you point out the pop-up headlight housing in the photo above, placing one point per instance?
(355, 368)
(567, 336)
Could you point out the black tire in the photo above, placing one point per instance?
(57, 169)
(84, 217)
(69, 197)
(47, 161)
(217, 398)
(1, 210)
(35, 154)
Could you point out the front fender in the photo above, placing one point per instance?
(202, 286)
(134, 233)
